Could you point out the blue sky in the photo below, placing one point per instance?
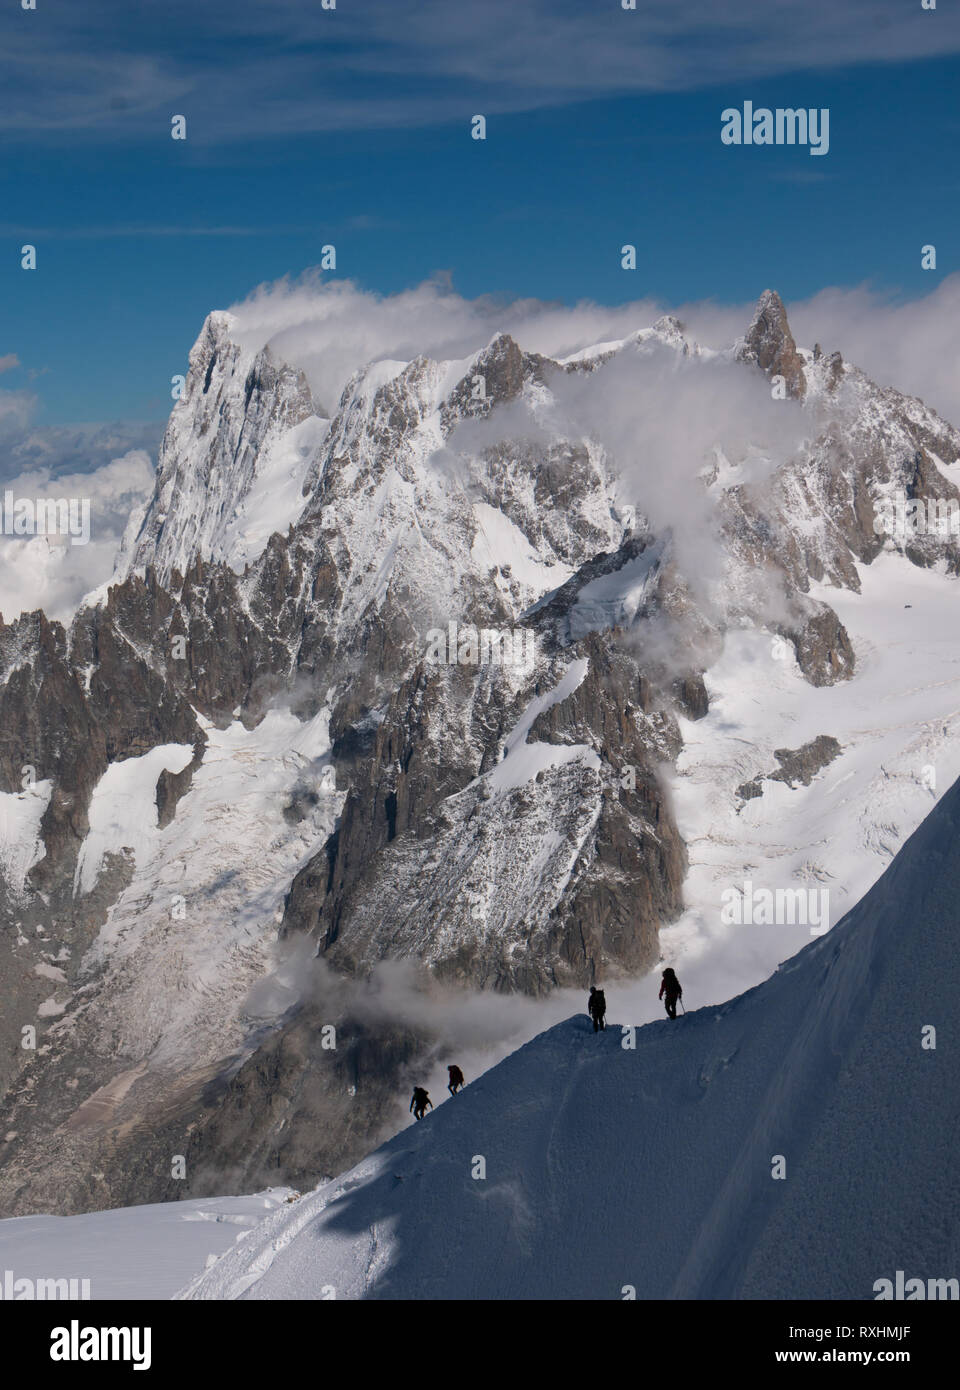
(306, 127)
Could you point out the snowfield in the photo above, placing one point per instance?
(898, 723)
(133, 1252)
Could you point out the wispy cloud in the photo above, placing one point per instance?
(110, 465)
(287, 68)
(8, 362)
(56, 450)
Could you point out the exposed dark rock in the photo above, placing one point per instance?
(297, 1111)
(770, 344)
(691, 696)
(824, 651)
(796, 765)
(171, 786)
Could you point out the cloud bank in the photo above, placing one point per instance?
(332, 328)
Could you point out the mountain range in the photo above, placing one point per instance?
(238, 793)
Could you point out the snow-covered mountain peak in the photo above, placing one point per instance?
(669, 329)
(218, 329)
(246, 447)
(234, 455)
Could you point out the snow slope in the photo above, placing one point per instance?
(133, 1252)
(21, 844)
(210, 950)
(123, 809)
(898, 723)
(609, 1168)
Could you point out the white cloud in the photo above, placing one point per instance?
(910, 344)
(332, 328)
(49, 573)
(660, 420)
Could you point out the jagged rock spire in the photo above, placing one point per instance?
(770, 344)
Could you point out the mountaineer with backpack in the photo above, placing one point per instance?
(597, 1007)
(456, 1080)
(420, 1102)
(670, 992)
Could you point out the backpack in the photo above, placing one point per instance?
(599, 1002)
(456, 1076)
